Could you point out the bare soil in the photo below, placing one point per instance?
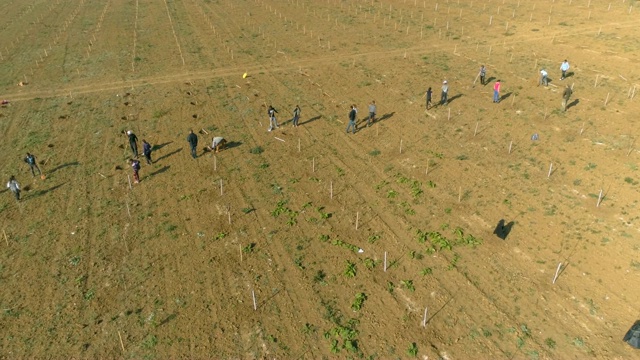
(276, 247)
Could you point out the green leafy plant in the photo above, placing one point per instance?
(319, 277)
(426, 271)
(392, 194)
(323, 238)
(551, 344)
(249, 248)
(219, 236)
(408, 284)
(358, 302)
(412, 350)
(280, 208)
(350, 269)
(373, 238)
(257, 150)
(369, 263)
(390, 287)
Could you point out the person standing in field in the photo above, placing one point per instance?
(544, 80)
(273, 122)
(296, 116)
(352, 119)
(146, 151)
(445, 92)
(565, 97)
(135, 165)
(372, 113)
(482, 74)
(31, 160)
(218, 143)
(192, 139)
(428, 95)
(133, 143)
(564, 67)
(14, 187)
(496, 92)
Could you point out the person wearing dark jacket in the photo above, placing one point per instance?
(135, 165)
(31, 160)
(193, 143)
(133, 142)
(146, 151)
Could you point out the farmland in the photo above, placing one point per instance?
(306, 242)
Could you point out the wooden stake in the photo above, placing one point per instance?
(240, 248)
(221, 187)
(582, 129)
(550, 168)
(606, 100)
(449, 115)
(557, 272)
(357, 219)
(121, 343)
(476, 130)
(596, 83)
(298, 145)
(253, 296)
(510, 145)
(424, 318)
(5, 237)
(400, 146)
(129, 178)
(215, 163)
(599, 199)
(385, 261)
(460, 194)
(313, 165)
(427, 171)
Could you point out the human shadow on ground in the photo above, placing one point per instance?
(569, 74)
(489, 80)
(160, 171)
(385, 117)
(505, 96)
(75, 163)
(46, 191)
(310, 120)
(169, 154)
(160, 146)
(502, 230)
(232, 144)
(573, 103)
(453, 98)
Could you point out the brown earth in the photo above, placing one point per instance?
(92, 268)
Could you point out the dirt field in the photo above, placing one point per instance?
(309, 243)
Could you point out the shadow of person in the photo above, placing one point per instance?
(453, 98)
(160, 146)
(167, 155)
(385, 116)
(232, 144)
(505, 96)
(502, 230)
(490, 79)
(310, 120)
(573, 103)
